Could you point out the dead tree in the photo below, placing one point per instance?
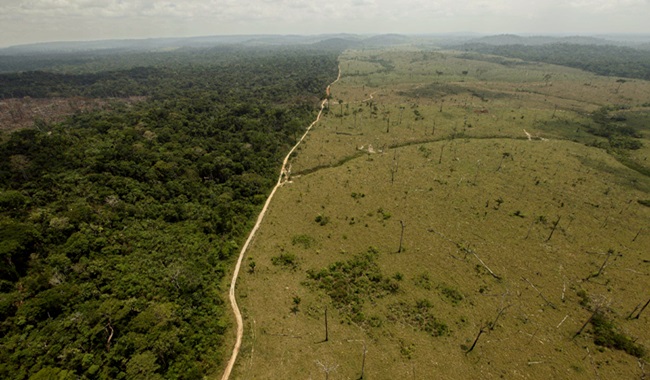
(554, 227)
(529, 228)
(540, 293)
(481, 331)
(640, 311)
(109, 331)
(401, 237)
(326, 329)
(593, 275)
(327, 368)
(363, 361)
(494, 323)
(394, 167)
(467, 250)
(587, 322)
(503, 157)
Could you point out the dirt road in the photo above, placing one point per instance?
(281, 180)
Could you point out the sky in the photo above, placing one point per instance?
(30, 21)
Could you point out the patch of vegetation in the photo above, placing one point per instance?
(519, 214)
(644, 202)
(452, 294)
(585, 301)
(615, 130)
(406, 349)
(425, 151)
(606, 335)
(423, 281)
(304, 241)
(419, 315)
(358, 195)
(351, 283)
(385, 215)
(322, 220)
(295, 307)
(286, 260)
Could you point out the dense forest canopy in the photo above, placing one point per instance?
(116, 226)
(603, 60)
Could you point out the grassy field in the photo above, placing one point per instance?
(421, 216)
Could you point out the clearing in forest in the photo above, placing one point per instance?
(457, 218)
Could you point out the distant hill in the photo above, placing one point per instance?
(162, 44)
(336, 43)
(512, 39)
(325, 40)
(387, 40)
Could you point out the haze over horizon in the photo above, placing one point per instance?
(34, 21)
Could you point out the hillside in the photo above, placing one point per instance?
(454, 218)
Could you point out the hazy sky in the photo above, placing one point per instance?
(26, 21)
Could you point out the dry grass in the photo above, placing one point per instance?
(467, 186)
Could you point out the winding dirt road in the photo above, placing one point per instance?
(284, 176)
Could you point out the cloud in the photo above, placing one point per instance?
(33, 20)
(600, 6)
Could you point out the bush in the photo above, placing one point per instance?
(304, 241)
(322, 220)
(605, 335)
(452, 294)
(419, 316)
(351, 283)
(287, 260)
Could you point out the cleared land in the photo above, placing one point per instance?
(516, 222)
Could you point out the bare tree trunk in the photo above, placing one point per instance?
(110, 336)
(586, 323)
(554, 227)
(481, 331)
(401, 237)
(540, 294)
(363, 361)
(640, 311)
(493, 324)
(326, 329)
(609, 254)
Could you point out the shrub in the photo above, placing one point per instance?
(287, 260)
(605, 335)
(351, 283)
(644, 202)
(419, 316)
(322, 220)
(304, 241)
(423, 281)
(452, 294)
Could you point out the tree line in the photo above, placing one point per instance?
(603, 60)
